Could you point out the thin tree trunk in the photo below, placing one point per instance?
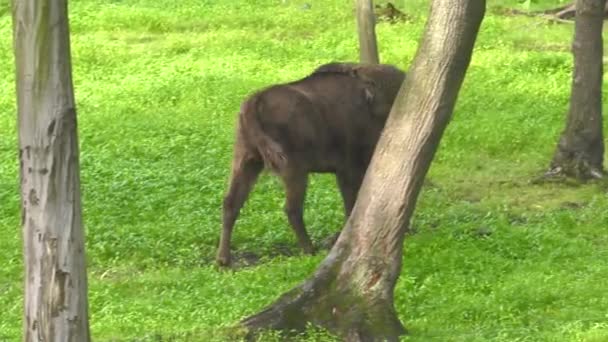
(351, 293)
(56, 306)
(366, 22)
(580, 150)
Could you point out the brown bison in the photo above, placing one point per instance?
(329, 121)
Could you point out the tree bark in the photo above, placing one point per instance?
(366, 22)
(56, 307)
(351, 293)
(580, 150)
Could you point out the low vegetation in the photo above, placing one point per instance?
(492, 255)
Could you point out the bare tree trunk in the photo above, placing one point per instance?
(351, 293)
(366, 22)
(56, 306)
(580, 150)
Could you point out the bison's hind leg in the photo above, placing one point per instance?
(246, 167)
(349, 181)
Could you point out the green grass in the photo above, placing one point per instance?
(158, 84)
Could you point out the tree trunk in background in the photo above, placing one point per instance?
(580, 150)
(366, 22)
(351, 293)
(56, 307)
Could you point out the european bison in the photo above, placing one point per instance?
(329, 121)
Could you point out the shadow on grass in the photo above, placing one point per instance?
(233, 334)
(248, 258)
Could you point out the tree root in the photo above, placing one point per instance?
(561, 176)
(580, 175)
(319, 302)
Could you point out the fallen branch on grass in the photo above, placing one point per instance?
(561, 14)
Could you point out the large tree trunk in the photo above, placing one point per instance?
(351, 293)
(580, 151)
(366, 22)
(55, 276)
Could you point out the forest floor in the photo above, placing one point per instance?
(492, 257)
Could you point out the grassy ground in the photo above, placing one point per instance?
(158, 84)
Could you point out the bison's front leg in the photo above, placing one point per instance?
(295, 188)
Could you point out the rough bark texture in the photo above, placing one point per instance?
(55, 276)
(366, 22)
(580, 150)
(351, 293)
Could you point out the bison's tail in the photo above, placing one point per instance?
(272, 153)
